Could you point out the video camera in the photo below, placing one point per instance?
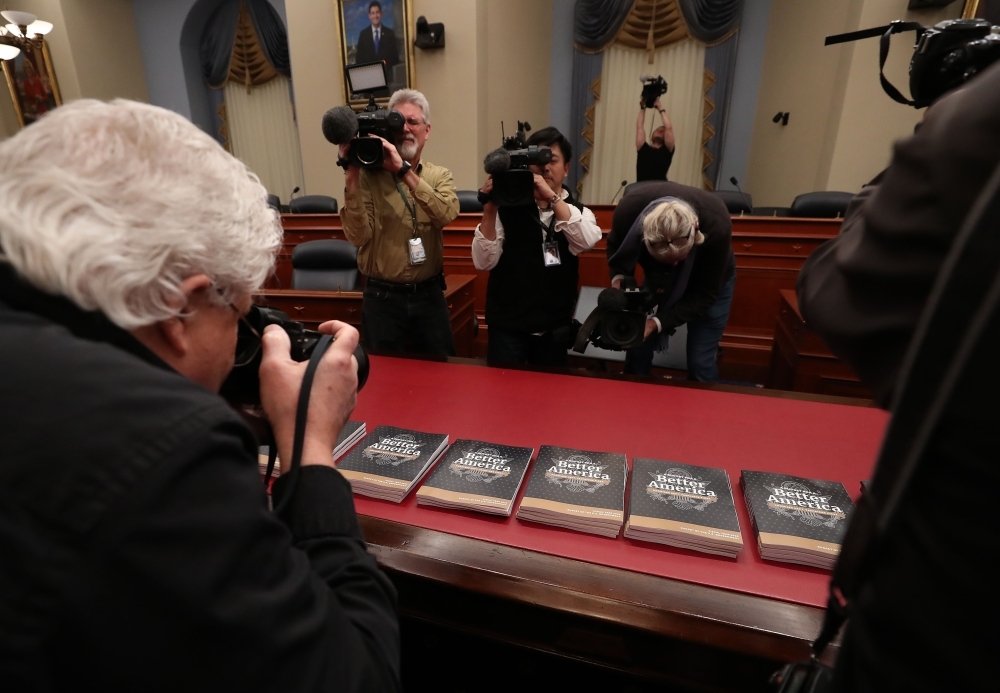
(242, 387)
(513, 181)
(945, 56)
(619, 320)
(341, 125)
(652, 89)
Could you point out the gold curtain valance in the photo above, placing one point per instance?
(248, 64)
(653, 24)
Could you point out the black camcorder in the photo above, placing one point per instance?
(513, 180)
(619, 320)
(242, 387)
(341, 125)
(652, 89)
(945, 56)
(366, 149)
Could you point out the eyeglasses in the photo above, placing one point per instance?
(414, 122)
(675, 242)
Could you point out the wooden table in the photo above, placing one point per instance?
(672, 632)
(769, 253)
(313, 307)
(801, 362)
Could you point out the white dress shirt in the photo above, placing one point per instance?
(581, 232)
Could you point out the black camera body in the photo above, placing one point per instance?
(619, 320)
(366, 149)
(949, 54)
(242, 387)
(513, 180)
(652, 89)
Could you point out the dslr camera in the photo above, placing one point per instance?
(242, 387)
(619, 320)
(652, 89)
(513, 181)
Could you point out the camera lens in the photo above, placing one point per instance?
(368, 150)
(621, 330)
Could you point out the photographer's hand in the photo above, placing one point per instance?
(352, 173)
(333, 396)
(392, 161)
(651, 328)
(488, 224)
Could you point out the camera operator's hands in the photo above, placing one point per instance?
(651, 328)
(391, 160)
(333, 396)
(489, 205)
(657, 106)
(543, 193)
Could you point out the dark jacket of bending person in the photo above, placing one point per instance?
(926, 618)
(138, 551)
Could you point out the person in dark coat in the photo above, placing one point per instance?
(377, 41)
(138, 549)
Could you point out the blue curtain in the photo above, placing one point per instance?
(586, 68)
(595, 22)
(217, 39)
(720, 59)
(710, 20)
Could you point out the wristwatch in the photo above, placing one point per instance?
(404, 169)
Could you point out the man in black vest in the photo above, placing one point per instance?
(681, 237)
(531, 252)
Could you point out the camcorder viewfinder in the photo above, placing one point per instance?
(242, 387)
(513, 180)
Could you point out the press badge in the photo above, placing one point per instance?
(417, 254)
(550, 253)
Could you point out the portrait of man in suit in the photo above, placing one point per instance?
(377, 41)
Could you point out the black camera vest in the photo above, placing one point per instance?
(523, 294)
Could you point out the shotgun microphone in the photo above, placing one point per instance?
(624, 183)
(746, 198)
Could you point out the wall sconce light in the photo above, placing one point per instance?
(429, 35)
(780, 117)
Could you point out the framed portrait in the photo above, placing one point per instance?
(984, 9)
(377, 30)
(32, 83)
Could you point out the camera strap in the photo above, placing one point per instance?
(963, 303)
(895, 27)
(301, 412)
(409, 208)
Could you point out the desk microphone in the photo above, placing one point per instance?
(735, 182)
(290, 198)
(624, 183)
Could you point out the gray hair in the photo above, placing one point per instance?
(411, 96)
(113, 205)
(667, 222)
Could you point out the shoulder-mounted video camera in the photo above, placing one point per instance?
(341, 125)
(513, 181)
(945, 56)
(242, 387)
(652, 89)
(619, 320)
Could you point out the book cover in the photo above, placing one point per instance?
(477, 473)
(806, 514)
(683, 499)
(391, 457)
(578, 483)
(348, 433)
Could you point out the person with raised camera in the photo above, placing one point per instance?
(681, 237)
(531, 252)
(653, 159)
(394, 216)
(138, 549)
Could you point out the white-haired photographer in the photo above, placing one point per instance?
(135, 528)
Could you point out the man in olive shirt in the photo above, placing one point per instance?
(394, 216)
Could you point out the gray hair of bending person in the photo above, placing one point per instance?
(670, 231)
(411, 96)
(113, 205)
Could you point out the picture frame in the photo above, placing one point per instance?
(357, 43)
(983, 9)
(31, 80)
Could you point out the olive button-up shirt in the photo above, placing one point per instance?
(378, 223)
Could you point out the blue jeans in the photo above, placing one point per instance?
(704, 335)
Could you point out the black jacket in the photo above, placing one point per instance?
(927, 618)
(523, 295)
(137, 552)
(714, 262)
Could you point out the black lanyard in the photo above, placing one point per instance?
(409, 207)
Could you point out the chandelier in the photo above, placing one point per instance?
(22, 31)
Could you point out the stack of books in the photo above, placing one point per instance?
(475, 475)
(577, 489)
(390, 461)
(352, 432)
(797, 520)
(683, 505)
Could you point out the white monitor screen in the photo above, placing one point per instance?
(364, 77)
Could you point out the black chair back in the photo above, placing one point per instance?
(736, 202)
(468, 201)
(313, 204)
(821, 205)
(274, 201)
(327, 265)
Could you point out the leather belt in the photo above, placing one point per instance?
(434, 282)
